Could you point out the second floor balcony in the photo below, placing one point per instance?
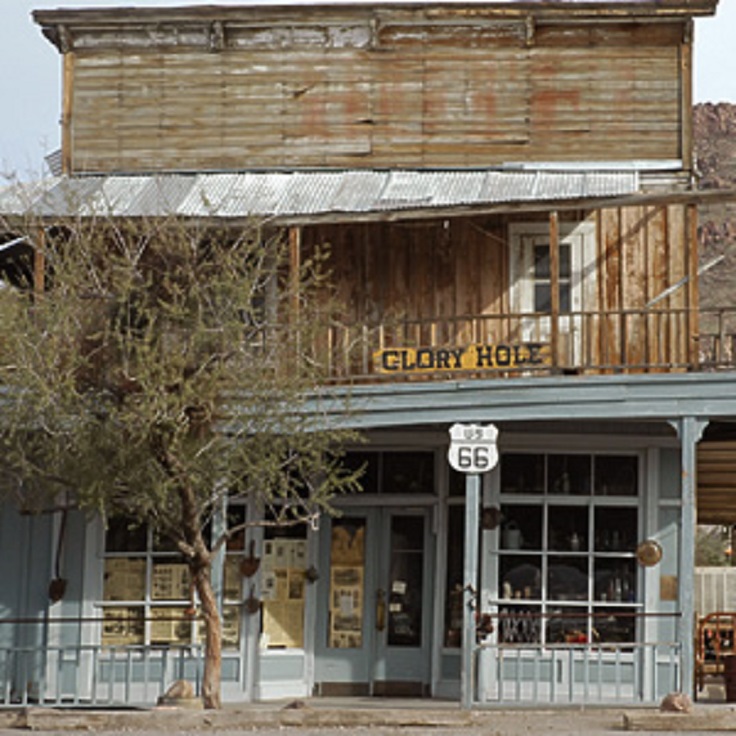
(511, 345)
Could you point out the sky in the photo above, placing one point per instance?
(30, 74)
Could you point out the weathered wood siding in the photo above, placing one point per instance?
(352, 93)
(447, 283)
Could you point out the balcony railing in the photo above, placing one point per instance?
(508, 345)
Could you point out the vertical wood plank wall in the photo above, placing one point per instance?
(451, 270)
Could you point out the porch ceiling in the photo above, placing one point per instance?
(306, 196)
(717, 482)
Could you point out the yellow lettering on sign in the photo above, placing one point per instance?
(470, 358)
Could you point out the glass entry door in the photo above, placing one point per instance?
(375, 608)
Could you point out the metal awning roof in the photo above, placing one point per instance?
(309, 195)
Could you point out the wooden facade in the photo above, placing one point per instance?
(583, 301)
(393, 86)
(441, 283)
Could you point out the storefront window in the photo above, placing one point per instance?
(147, 597)
(394, 473)
(283, 584)
(566, 559)
(147, 593)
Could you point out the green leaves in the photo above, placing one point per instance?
(167, 365)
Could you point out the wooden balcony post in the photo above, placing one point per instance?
(554, 268)
(295, 267)
(67, 106)
(693, 295)
(39, 264)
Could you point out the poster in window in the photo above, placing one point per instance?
(170, 582)
(122, 625)
(125, 579)
(283, 623)
(233, 581)
(170, 626)
(346, 607)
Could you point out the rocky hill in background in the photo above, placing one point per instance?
(714, 132)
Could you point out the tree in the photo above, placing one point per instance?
(165, 368)
(712, 546)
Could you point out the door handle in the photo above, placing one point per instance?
(380, 609)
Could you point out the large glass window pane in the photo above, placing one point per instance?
(567, 625)
(522, 473)
(541, 261)
(542, 298)
(407, 581)
(615, 580)
(122, 536)
(570, 474)
(454, 580)
(616, 529)
(567, 578)
(616, 475)
(520, 577)
(123, 625)
(615, 625)
(521, 527)
(568, 528)
(369, 463)
(170, 626)
(519, 624)
(408, 472)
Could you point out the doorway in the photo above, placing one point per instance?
(375, 605)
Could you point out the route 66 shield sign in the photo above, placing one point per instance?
(473, 448)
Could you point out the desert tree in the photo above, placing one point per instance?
(154, 370)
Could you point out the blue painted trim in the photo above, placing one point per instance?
(653, 397)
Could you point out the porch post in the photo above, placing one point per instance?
(690, 430)
(295, 267)
(554, 277)
(470, 583)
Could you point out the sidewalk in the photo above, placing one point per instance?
(388, 714)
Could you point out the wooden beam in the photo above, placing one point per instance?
(686, 97)
(554, 276)
(295, 267)
(39, 264)
(693, 292)
(67, 111)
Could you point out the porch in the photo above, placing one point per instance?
(648, 340)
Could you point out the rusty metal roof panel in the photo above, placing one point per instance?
(307, 193)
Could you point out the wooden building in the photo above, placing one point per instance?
(508, 192)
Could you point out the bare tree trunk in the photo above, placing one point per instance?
(213, 633)
(200, 569)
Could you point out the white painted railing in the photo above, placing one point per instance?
(557, 674)
(95, 675)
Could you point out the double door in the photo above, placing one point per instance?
(375, 605)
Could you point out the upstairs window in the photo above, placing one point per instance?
(542, 277)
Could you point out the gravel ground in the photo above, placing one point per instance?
(504, 723)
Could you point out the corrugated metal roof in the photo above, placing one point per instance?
(307, 194)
